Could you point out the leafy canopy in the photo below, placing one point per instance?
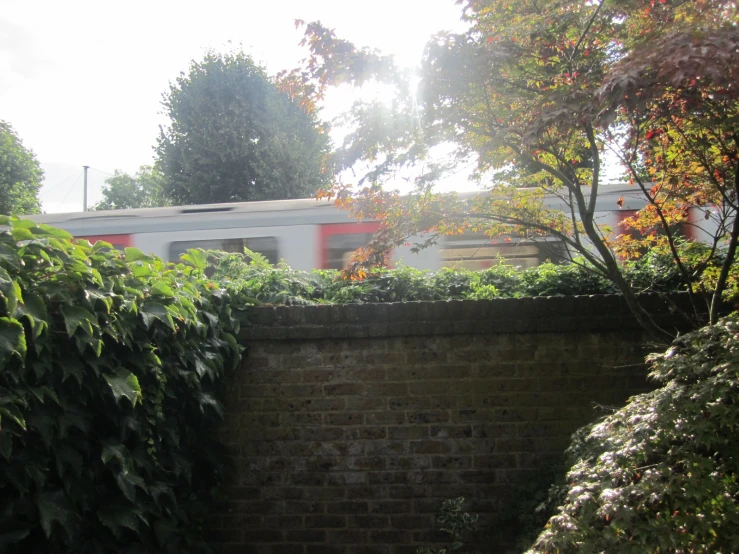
(144, 190)
(537, 94)
(234, 137)
(20, 175)
(110, 372)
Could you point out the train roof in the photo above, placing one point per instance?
(236, 214)
(203, 216)
(172, 211)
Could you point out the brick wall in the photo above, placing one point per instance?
(349, 425)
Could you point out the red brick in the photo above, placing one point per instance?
(366, 433)
(344, 418)
(305, 535)
(347, 507)
(343, 389)
(368, 521)
(325, 521)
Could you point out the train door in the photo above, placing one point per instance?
(338, 241)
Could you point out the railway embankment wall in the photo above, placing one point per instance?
(349, 425)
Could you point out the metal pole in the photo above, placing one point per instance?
(84, 197)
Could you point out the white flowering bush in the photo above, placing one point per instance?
(660, 475)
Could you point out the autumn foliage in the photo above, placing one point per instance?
(538, 95)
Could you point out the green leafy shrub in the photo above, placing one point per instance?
(658, 271)
(251, 279)
(109, 376)
(505, 278)
(550, 279)
(403, 284)
(655, 271)
(662, 474)
(455, 523)
(533, 502)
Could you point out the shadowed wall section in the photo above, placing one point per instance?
(350, 424)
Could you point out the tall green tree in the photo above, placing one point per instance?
(20, 175)
(143, 190)
(538, 93)
(233, 136)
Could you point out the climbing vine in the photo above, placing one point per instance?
(110, 365)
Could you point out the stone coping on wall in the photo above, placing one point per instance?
(501, 315)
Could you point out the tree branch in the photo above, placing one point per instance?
(731, 254)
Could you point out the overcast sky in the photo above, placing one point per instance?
(81, 81)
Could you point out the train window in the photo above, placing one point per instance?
(340, 248)
(267, 246)
(479, 252)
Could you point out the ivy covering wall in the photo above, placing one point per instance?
(109, 372)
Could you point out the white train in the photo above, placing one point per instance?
(310, 233)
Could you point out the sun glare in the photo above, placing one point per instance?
(372, 91)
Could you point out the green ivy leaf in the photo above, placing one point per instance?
(114, 452)
(103, 297)
(9, 257)
(73, 367)
(142, 271)
(123, 383)
(76, 318)
(207, 400)
(10, 291)
(127, 482)
(95, 344)
(152, 311)
(6, 444)
(53, 506)
(165, 533)
(202, 367)
(42, 392)
(20, 234)
(161, 493)
(34, 309)
(13, 537)
(162, 289)
(48, 230)
(135, 255)
(44, 423)
(72, 420)
(117, 516)
(196, 258)
(23, 224)
(12, 340)
(68, 458)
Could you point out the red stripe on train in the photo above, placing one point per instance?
(119, 241)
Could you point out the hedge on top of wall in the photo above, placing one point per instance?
(252, 279)
(110, 366)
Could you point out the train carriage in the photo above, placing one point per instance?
(308, 233)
